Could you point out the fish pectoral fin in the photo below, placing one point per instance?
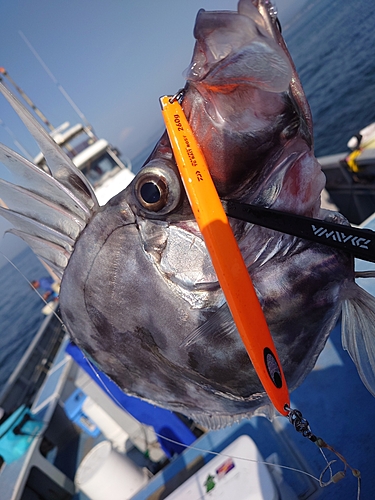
(218, 325)
(49, 208)
(358, 334)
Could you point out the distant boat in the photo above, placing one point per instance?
(98, 160)
(351, 176)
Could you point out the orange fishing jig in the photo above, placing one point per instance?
(226, 257)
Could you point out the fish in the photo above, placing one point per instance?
(139, 295)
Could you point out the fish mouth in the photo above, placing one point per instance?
(228, 42)
(241, 78)
(243, 98)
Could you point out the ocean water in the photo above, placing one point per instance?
(331, 42)
(20, 309)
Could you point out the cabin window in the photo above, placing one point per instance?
(97, 169)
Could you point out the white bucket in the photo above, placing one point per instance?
(109, 427)
(106, 474)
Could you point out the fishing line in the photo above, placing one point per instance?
(55, 81)
(300, 424)
(217, 453)
(192, 447)
(33, 288)
(328, 467)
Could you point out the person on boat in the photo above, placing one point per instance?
(47, 284)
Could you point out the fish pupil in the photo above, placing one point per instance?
(150, 192)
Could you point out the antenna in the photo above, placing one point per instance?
(90, 131)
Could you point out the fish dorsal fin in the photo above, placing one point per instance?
(38, 208)
(48, 210)
(54, 255)
(37, 181)
(61, 167)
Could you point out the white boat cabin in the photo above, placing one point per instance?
(96, 158)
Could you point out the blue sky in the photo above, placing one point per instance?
(113, 57)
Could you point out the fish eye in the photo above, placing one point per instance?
(157, 188)
(152, 193)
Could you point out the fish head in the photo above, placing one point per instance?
(145, 282)
(144, 253)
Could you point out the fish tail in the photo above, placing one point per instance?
(358, 333)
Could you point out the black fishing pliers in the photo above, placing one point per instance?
(358, 242)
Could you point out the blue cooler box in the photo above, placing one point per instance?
(73, 409)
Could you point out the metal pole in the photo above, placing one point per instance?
(27, 99)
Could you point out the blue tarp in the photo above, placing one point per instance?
(17, 434)
(164, 422)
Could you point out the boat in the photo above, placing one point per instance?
(97, 159)
(93, 441)
(351, 176)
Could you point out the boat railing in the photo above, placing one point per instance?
(31, 370)
(20, 478)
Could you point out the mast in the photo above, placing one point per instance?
(27, 99)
